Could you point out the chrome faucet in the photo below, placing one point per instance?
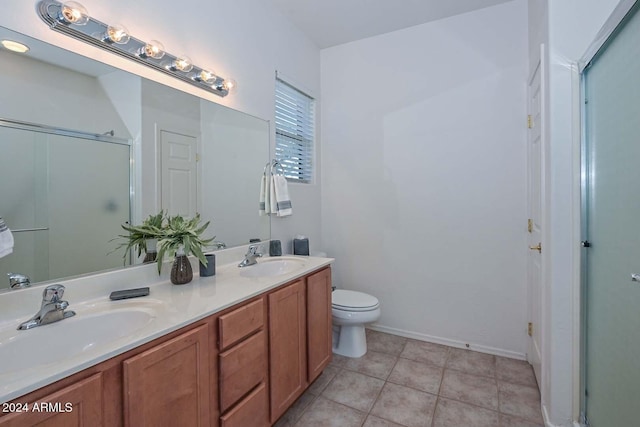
(18, 281)
(52, 308)
(250, 256)
(219, 245)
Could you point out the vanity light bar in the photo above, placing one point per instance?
(72, 19)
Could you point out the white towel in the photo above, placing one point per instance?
(273, 202)
(283, 202)
(6, 239)
(263, 187)
(267, 194)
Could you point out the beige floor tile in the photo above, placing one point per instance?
(515, 371)
(418, 375)
(480, 391)
(520, 401)
(325, 413)
(295, 411)
(385, 343)
(405, 406)
(379, 422)
(397, 383)
(375, 364)
(509, 421)
(472, 362)
(338, 360)
(353, 389)
(323, 380)
(450, 413)
(427, 352)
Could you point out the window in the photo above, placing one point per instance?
(295, 129)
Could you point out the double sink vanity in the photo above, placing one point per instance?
(234, 350)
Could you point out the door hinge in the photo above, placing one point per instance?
(530, 225)
(197, 157)
(529, 122)
(530, 329)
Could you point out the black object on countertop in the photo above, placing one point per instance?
(301, 246)
(275, 248)
(129, 293)
(210, 268)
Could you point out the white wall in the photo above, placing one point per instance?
(245, 39)
(570, 27)
(423, 178)
(229, 193)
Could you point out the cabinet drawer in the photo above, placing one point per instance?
(241, 369)
(240, 323)
(252, 411)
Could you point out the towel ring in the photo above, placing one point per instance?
(271, 165)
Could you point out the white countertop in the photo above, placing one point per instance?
(28, 361)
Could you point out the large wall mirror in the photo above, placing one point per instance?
(85, 147)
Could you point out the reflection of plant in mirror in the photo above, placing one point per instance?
(180, 233)
(138, 236)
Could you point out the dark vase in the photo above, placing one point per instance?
(150, 257)
(152, 251)
(181, 271)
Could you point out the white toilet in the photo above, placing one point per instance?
(351, 310)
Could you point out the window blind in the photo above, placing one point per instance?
(295, 129)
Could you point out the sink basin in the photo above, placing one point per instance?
(272, 267)
(89, 329)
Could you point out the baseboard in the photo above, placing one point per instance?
(449, 342)
(547, 423)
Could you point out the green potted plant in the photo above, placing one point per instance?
(180, 238)
(144, 237)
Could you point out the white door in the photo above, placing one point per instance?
(179, 177)
(535, 160)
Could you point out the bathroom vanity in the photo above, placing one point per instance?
(233, 350)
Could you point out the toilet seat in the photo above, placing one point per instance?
(344, 300)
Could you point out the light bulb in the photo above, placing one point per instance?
(205, 76)
(182, 63)
(153, 49)
(230, 85)
(117, 33)
(14, 46)
(73, 12)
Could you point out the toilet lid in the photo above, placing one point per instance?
(349, 300)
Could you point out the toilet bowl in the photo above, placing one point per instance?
(351, 310)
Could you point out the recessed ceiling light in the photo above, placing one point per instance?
(14, 46)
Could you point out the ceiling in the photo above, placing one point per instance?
(332, 22)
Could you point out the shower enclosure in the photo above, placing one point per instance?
(64, 195)
(611, 214)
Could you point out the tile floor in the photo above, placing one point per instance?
(403, 382)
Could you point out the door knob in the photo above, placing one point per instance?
(635, 277)
(536, 248)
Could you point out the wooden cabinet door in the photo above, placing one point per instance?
(287, 347)
(168, 385)
(79, 404)
(319, 332)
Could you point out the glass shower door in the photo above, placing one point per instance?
(612, 332)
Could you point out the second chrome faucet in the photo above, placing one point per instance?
(250, 256)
